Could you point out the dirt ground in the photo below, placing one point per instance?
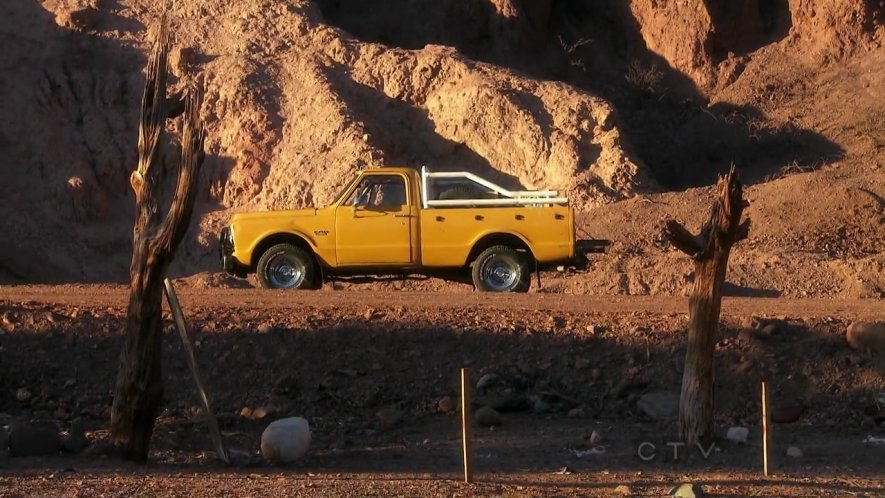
(348, 359)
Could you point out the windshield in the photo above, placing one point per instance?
(343, 190)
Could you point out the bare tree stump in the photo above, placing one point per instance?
(139, 387)
(709, 250)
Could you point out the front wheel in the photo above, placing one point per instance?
(501, 269)
(285, 266)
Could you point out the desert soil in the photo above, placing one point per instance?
(347, 359)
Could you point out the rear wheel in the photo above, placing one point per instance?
(501, 269)
(285, 266)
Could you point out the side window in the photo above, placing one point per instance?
(379, 192)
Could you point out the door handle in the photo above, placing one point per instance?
(402, 215)
(520, 217)
(479, 217)
(440, 218)
(560, 216)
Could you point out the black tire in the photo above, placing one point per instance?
(285, 266)
(501, 269)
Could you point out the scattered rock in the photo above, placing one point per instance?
(76, 441)
(388, 417)
(576, 413)
(870, 439)
(556, 322)
(787, 413)
(23, 395)
(867, 335)
(660, 405)
(738, 435)
(240, 458)
(539, 404)
(687, 490)
(487, 417)
(770, 329)
(565, 471)
(596, 438)
(265, 328)
(582, 363)
(7, 322)
(446, 404)
(262, 412)
(33, 440)
(195, 412)
(794, 452)
(624, 490)
(285, 440)
(746, 336)
(594, 452)
(246, 412)
(487, 380)
(595, 374)
(760, 323)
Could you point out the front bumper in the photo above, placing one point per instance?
(226, 254)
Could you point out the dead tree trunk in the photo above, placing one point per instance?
(710, 250)
(139, 388)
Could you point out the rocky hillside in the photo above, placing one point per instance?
(606, 103)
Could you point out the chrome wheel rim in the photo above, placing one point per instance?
(284, 273)
(500, 276)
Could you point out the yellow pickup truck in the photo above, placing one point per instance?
(399, 221)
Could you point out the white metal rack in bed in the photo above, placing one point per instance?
(503, 197)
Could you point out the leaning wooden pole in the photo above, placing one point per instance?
(155, 238)
(710, 251)
(190, 355)
(465, 424)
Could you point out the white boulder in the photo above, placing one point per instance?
(738, 435)
(285, 440)
(867, 335)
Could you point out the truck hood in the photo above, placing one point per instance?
(294, 213)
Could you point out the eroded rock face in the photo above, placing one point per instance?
(294, 107)
(330, 104)
(836, 28)
(696, 35)
(678, 32)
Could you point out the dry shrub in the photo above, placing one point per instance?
(647, 78)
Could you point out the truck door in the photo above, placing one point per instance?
(373, 226)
